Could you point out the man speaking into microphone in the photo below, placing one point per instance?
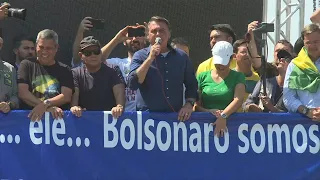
(160, 71)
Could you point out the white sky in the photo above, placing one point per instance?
(294, 21)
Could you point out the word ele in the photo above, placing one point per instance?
(58, 128)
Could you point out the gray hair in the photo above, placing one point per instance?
(48, 34)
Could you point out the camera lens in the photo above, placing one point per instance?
(17, 13)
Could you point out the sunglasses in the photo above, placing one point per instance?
(283, 60)
(89, 53)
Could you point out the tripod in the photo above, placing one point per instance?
(264, 28)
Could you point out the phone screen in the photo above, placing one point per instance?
(97, 23)
(136, 32)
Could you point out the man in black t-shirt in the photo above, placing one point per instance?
(43, 83)
(97, 86)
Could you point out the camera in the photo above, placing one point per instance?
(285, 55)
(265, 27)
(17, 12)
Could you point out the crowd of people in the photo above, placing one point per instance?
(158, 75)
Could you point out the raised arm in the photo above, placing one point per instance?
(85, 25)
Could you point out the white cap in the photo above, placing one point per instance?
(221, 52)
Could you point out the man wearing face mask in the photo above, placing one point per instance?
(160, 71)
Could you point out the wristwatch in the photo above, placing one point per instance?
(305, 111)
(47, 102)
(191, 102)
(224, 116)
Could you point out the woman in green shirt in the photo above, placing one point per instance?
(221, 90)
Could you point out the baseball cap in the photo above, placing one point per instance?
(89, 41)
(221, 52)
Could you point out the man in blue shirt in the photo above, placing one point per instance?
(160, 71)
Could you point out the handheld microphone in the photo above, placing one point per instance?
(158, 40)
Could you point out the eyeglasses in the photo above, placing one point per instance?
(89, 53)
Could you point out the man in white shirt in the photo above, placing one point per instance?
(301, 86)
(133, 44)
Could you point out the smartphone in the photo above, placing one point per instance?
(265, 27)
(97, 23)
(136, 32)
(284, 54)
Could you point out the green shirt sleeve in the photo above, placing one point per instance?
(200, 80)
(241, 78)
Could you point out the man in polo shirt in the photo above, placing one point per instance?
(224, 32)
(160, 71)
(97, 86)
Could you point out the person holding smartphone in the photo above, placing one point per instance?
(132, 37)
(273, 100)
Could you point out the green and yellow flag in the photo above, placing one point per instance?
(305, 75)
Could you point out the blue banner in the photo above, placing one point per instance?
(155, 146)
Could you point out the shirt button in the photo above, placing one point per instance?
(166, 71)
(166, 63)
(167, 88)
(167, 80)
(167, 97)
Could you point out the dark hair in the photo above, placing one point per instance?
(159, 19)
(285, 42)
(181, 41)
(226, 28)
(298, 45)
(237, 44)
(23, 37)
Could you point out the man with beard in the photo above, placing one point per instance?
(23, 48)
(121, 65)
(133, 44)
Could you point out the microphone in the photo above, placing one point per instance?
(158, 40)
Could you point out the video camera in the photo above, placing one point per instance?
(16, 12)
